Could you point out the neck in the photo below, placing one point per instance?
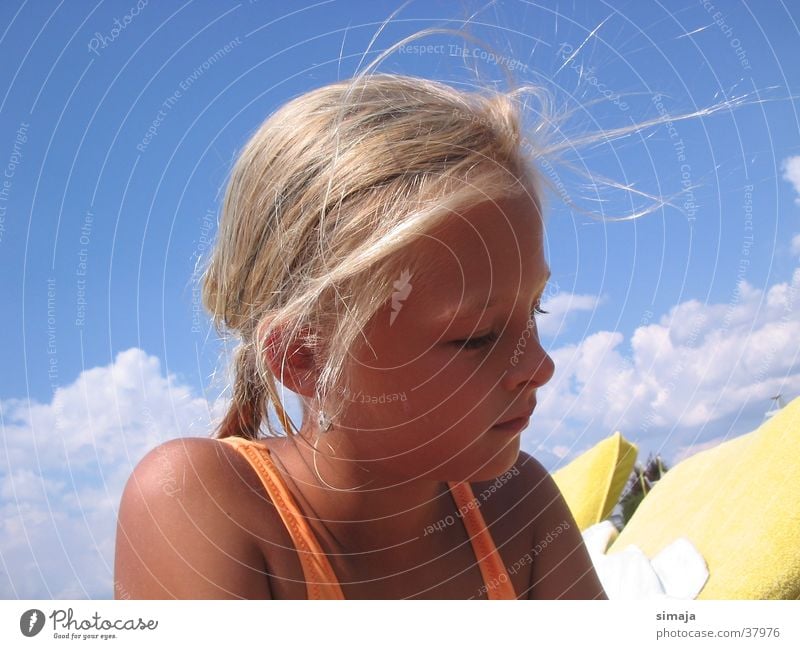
(356, 509)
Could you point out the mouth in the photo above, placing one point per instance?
(513, 425)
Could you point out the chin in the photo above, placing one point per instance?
(497, 462)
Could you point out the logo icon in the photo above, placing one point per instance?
(402, 289)
(31, 622)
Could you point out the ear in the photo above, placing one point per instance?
(300, 368)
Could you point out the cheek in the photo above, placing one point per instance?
(446, 409)
(469, 374)
(427, 394)
(459, 396)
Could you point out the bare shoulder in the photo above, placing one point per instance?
(551, 546)
(180, 530)
(522, 488)
(561, 567)
(192, 468)
(543, 502)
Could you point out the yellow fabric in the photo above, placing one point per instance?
(592, 482)
(739, 504)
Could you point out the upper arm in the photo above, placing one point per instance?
(177, 531)
(560, 563)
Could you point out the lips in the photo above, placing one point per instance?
(524, 416)
(512, 425)
(515, 420)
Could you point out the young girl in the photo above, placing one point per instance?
(380, 254)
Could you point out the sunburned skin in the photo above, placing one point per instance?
(380, 482)
(455, 394)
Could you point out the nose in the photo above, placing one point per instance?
(530, 365)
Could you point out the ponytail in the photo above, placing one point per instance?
(248, 405)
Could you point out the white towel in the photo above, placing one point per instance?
(677, 572)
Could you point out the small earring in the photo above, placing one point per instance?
(324, 421)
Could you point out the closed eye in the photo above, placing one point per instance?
(491, 337)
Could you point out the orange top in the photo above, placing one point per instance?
(321, 581)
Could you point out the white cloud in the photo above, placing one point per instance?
(560, 451)
(791, 172)
(796, 244)
(63, 466)
(702, 370)
(559, 307)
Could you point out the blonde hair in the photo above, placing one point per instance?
(327, 197)
(323, 205)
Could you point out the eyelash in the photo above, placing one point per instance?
(477, 343)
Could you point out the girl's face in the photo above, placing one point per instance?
(453, 353)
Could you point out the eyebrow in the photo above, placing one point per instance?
(471, 307)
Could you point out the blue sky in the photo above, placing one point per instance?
(115, 145)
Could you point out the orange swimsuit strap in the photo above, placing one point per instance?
(321, 581)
